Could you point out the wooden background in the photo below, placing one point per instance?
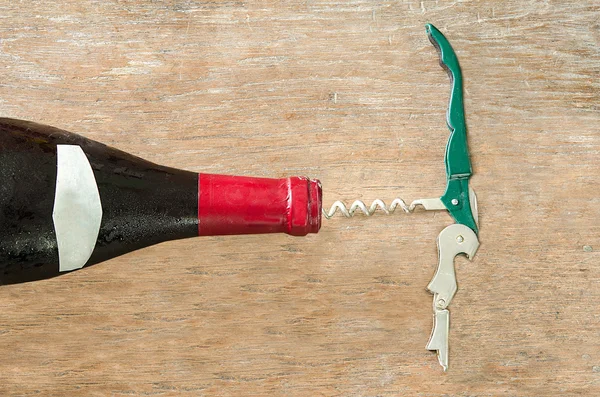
(349, 92)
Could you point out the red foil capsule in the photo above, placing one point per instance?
(245, 205)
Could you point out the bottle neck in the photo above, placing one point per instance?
(245, 205)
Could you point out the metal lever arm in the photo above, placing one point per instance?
(452, 241)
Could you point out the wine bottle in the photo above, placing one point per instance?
(67, 202)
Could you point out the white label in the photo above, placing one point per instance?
(77, 208)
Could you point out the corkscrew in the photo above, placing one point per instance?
(458, 199)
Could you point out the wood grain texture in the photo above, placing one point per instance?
(349, 92)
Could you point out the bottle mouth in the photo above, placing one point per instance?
(315, 205)
(304, 211)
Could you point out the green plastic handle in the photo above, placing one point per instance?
(458, 164)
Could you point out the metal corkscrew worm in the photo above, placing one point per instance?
(378, 204)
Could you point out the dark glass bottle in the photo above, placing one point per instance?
(67, 201)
